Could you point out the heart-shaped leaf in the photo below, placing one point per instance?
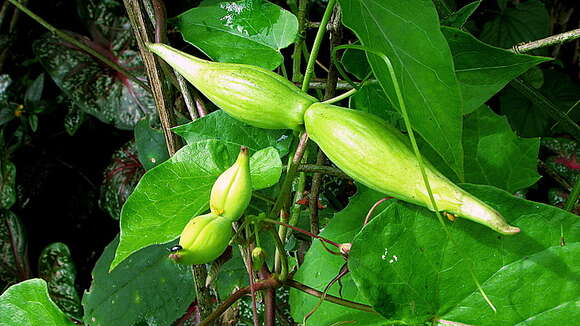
(145, 287)
(243, 31)
(28, 304)
(413, 272)
(172, 193)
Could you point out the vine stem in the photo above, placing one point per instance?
(68, 38)
(330, 298)
(573, 196)
(303, 231)
(316, 45)
(324, 169)
(548, 41)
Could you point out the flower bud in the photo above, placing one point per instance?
(377, 155)
(232, 191)
(248, 93)
(203, 240)
(258, 258)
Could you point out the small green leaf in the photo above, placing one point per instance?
(408, 33)
(34, 91)
(355, 62)
(5, 82)
(267, 164)
(460, 17)
(73, 119)
(220, 126)
(244, 31)
(483, 70)
(150, 143)
(528, 21)
(145, 287)
(320, 267)
(412, 273)
(55, 265)
(495, 156)
(14, 265)
(28, 304)
(169, 195)
(33, 122)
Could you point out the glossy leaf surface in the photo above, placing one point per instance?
(56, 267)
(220, 126)
(169, 195)
(244, 31)
(408, 33)
(483, 70)
(150, 142)
(495, 155)
(28, 304)
(411, 272)
(147, 286)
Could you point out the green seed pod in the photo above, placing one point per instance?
(258, 258)
(203, 240)
(250, 94)
(232, 191)
(377, 155)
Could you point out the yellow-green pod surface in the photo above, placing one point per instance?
(203, 240)
(232, 191)
(250, 94)
(377, 155)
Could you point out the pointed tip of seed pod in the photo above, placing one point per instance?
(510, 230)
(244, 149)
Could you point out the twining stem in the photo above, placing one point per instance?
(341, 96)
(330, 298)
(573, 198)
(316, 45)
(68, 38)
(548, 41)
(302, 231)
(324, 169)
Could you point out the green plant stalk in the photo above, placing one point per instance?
(316, 45)
(340, 97)
(80, 45)
(297, 54)
(573, 198)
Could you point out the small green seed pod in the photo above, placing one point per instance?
(258, 258)
(203, 240)
(250, 94)
(232, 191)
(377, 155)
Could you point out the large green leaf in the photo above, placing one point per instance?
(320, 268)
(145, 287)
(527, 21)
(244, 31)
(169, 195)
(14, 265)
(218, 125)
(495, 155)
(56, 267)
(459, 18)
(411, 271)
(150, 142)
(483, 70)
(408, 33)
(28, 304)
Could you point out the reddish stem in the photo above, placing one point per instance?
(370, 213)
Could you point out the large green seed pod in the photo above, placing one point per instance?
(203, 240)
(250, 94)
(377, 155)
(232, 191)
